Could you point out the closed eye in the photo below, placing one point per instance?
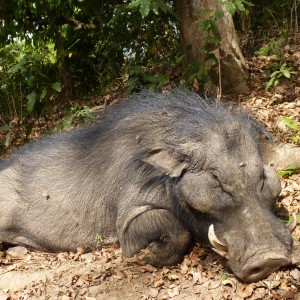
(215, 175)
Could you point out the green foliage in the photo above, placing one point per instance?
(208, 24)
(52, 51)
(26, 78)
(293, 125)
(266, 14)
(198, 71)
(236, 5)
(288, 171)
(140, 78)
(291, 218)
(290, 123)
(78, 114)
(6, 129)
(268, 49)
(94, 44)
(284, 71)
(224, 276)
(98, 240)
(145, 6)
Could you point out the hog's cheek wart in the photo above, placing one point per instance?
(202, 194)
(272, 180)
(270, 192)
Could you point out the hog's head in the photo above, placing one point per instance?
(226, 194)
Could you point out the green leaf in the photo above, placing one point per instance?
(264, 51)
(275, 73)
(57, 86)
(205, 25)
(283, 66)
(160, 4)
(43, 94)
(31, 101)
(219, 14)
(58, 128)
(248, 3)
(288, 171)
(180, 59)
(30, 80)
(145, 8)
(4, 128)
(8, 140)
(270, 82)
(290, 123)
(297, 219)
(67, 122)
(286, 73)
(229, 6)
(214, 26)
(134, 4)
(212, 58)
(223, 276)
(143, 5)
(240, 6)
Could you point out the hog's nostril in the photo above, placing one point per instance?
(263, 266)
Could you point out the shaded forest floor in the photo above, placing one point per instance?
(106, 274)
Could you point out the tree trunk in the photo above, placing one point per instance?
(230, 73)
(60, 51)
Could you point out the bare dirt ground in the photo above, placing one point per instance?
(106, 274)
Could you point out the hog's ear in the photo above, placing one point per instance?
(164, 161)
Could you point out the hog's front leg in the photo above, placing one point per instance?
(160, 232)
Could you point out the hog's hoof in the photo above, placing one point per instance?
(161, 254)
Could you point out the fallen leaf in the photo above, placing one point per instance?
(118, 275)
(146, 279)
(215, 284)
(5, 296)
(244, 291)
(65, 297)
(197, 278)
(172, 276)
(18, 252)
(158, 283)
(295, 273)
(230, 282)
(149, 268)
(151, 292)
(272, 284)
(173, 292)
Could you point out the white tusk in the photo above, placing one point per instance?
(293, 223)
(214, 240)
(220, 252)
(218, 246)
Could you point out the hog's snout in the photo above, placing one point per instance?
(255, 263)
(262, 266)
